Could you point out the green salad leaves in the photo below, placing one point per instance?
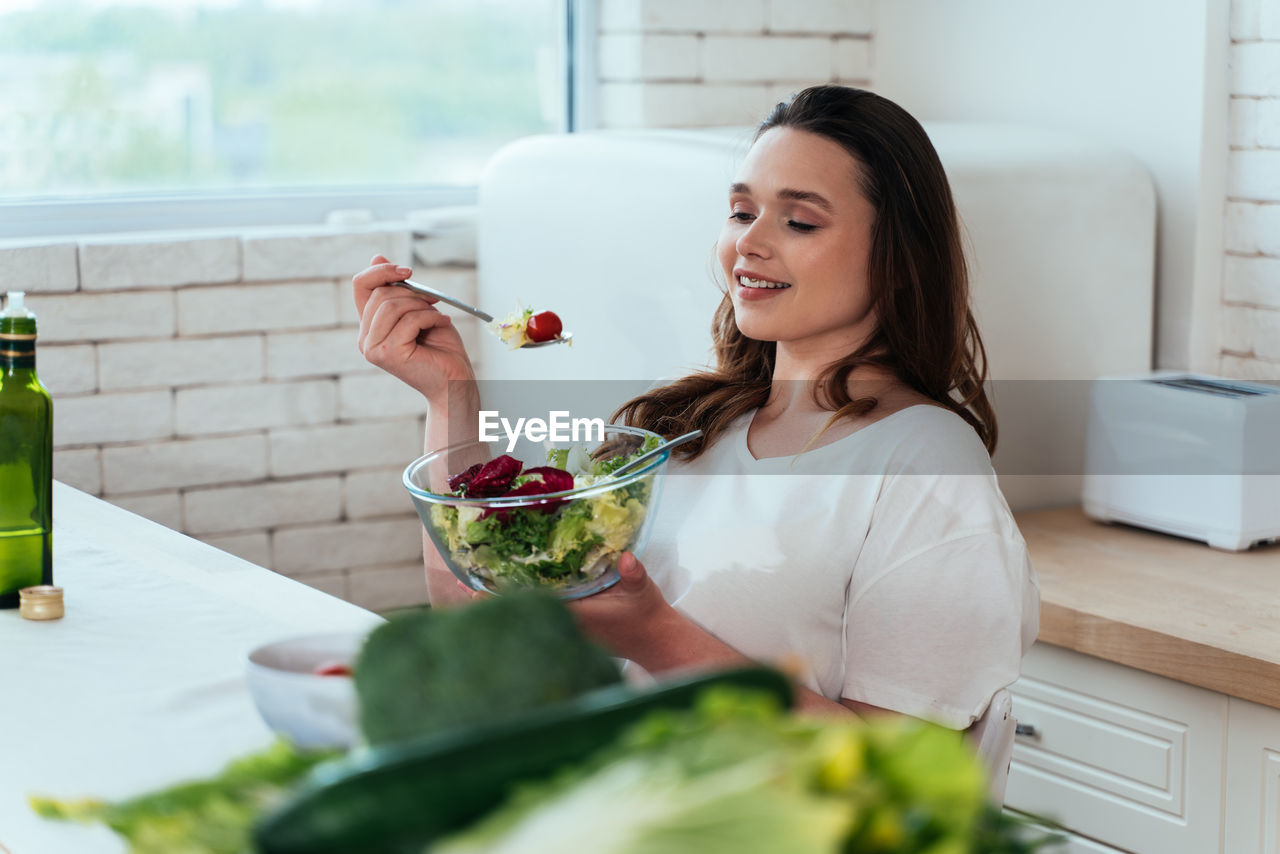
(212, 816)
(738, 775)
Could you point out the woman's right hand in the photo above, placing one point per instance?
(404, 334)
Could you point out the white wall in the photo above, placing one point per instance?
(1250, 321)
(1146, 75)
(701, 63)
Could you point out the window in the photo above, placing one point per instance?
(265, 106)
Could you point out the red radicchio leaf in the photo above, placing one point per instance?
(464, 478)
(494, 477)
(556, 480)
(552, 480)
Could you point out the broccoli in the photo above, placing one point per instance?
(492, 661)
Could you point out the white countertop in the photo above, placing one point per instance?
(141, 684)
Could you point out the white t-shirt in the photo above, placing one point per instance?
(886, 563)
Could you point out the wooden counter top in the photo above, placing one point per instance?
(1159, 603)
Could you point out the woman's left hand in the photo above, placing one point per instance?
(631, 618)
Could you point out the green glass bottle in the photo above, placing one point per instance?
(26, 458)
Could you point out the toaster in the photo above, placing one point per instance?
(1186, 454)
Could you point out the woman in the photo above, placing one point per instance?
(854, 525)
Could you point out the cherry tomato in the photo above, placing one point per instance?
(543, 326)
(334, 669)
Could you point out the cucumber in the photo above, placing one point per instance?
(398, 798)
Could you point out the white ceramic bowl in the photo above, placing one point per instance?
(310, 710)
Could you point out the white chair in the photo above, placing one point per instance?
(992, 737)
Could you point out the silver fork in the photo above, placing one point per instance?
(563, 338)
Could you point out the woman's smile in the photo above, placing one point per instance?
(754, 286)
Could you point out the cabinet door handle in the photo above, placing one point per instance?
(1028, 730)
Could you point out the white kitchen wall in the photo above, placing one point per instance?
(701, 63)
(1147, 76)
(1250, 319)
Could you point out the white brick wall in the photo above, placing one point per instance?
(689, 104)
(79, 467)
(767, 58)
(377, 395)
(342, 447)
(163, 507)
(104, 317)
(179, 463)
(291, 355)
(1249, 325)
(386, 587)
(212, 383)
(254, 547)
(632, 56)
(123, 417)
(837, 17)
(303, 549)
(684, 15)
(330, 253)
(374, 493)
(250, 307)
(1252, 280)
(42, 267)
(68, 369)
(225, 509)
(700, 63)
(178, 362)
(140, 261)
(245, 407)
(1267, 229)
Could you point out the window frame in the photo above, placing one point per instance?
(36, 217)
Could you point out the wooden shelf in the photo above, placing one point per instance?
(1159, 603)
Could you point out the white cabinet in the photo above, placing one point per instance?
(1253, 780)
(1079, 845)
(1119, 756)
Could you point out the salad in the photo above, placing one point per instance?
(524, 327)
(556, 542)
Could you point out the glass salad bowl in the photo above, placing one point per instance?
(547, 515)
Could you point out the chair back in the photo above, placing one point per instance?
(992, 737)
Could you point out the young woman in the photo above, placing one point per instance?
(840, 513)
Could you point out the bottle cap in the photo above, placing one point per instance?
(17, 327)
(42, 602)
(16, 305)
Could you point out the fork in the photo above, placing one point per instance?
(563, 338)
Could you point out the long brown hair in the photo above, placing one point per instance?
(918, 280)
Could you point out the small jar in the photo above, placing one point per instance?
(42, 602)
